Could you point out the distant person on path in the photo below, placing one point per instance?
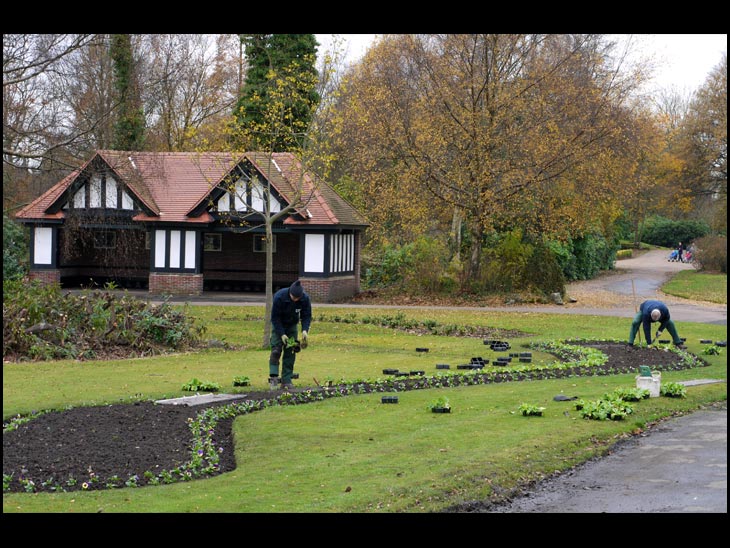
(650, 312)
(291, 306)
(680, 252)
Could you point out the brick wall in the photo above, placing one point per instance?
(175, 284)
(45, 276)
(328, 290)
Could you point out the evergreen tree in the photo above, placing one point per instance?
(271, 57)
(129, 125)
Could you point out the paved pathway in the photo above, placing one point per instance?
(678, 466)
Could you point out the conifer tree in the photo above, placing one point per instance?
(272, 56)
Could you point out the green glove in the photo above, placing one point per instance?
(305, 339)
(284, 339)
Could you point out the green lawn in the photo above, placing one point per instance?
(690, 284)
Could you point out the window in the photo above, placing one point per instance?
(212, 242)
(259, 243)
(105, 240)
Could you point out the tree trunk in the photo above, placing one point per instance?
(269, 282)
(476, 251)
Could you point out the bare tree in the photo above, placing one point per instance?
(191, 82)
(35, 118)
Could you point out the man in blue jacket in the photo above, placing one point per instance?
(290, 307)
(650, 312)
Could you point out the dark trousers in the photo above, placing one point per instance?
(286, 355)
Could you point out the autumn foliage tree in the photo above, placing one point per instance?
(490, 130)
(703, 147)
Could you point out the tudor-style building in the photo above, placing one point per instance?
(182, 223)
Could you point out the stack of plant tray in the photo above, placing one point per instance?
(389, 399)
(390, 371)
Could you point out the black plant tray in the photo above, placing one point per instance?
(441, 409)
(401, 374)
(389, 399)
(419, 372)
(443, 366)
(721, 343)
(390, 371)
(705, 341)
(421, 349)
(525, 360)
(464, 366)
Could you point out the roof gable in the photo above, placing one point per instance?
(181, 186)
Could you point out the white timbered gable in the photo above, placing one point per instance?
(100, 192)
(246, 195)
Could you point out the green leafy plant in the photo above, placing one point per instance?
(442, 402)
(712, 350)
(293, 344)
(609, 408)
(529, 410)
(631, 394)
(196, 385)
(241, 380)
(673, 390)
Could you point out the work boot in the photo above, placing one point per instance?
(274, 383)
(287, 386)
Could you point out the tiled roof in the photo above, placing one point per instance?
(172, 184)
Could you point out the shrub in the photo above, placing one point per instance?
(710, 254)
(15, 249)
(41, 322)
(668, 233)
(544, 271)
(506, 263)
(386, 266)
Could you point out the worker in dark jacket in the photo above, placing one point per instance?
(651, 312)
(291, 306)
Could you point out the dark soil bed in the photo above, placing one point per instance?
(113, 443)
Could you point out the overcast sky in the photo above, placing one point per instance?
(683, 61)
